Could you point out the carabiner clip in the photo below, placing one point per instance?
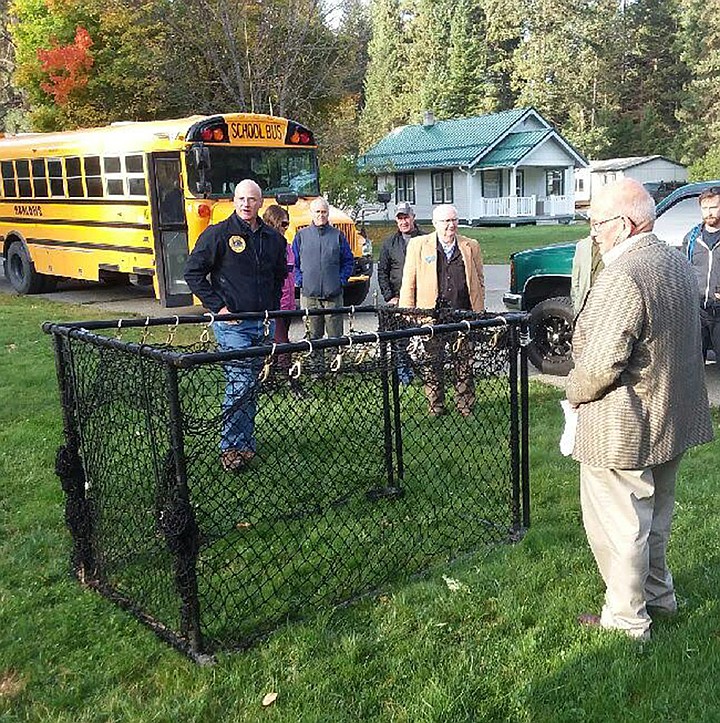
(205, 336)
(265, 371)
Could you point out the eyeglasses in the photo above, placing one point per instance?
(595, 225)
(446, 220)
(284, 224)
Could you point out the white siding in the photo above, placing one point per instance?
(549, 153)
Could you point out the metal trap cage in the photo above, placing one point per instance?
(376, 456)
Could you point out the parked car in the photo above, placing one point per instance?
(540, 281)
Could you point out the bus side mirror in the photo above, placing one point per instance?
(289, 198)
(200, 157)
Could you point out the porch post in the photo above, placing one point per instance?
(469, 194)
(513, 192)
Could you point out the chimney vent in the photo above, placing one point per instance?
(428, 118)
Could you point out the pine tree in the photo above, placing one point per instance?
(700, 112)
(385, 81)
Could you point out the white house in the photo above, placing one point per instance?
(651, 170)
(504, 168)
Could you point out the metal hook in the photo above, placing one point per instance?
(266, 324)
(351, 324)
(205, 336)
(366, 351)
(498, 332)
(462, 335)
(265, 371)
(432, 329)
(296, 368)
(146, 331)
(171, 331)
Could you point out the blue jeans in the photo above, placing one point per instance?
(241, 382)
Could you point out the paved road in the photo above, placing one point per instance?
(118, 300)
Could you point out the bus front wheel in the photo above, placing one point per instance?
(20, 270)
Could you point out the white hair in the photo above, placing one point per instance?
(318, 203)
(440, 211)
(248, 183)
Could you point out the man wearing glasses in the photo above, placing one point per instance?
(639, 388)
(445, 270)
(702, 248)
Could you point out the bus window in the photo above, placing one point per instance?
(74, 178)
(112, 170)
(93, 181)
(39, 180)
(275, 170)
(135, 175)
(8, 179)
(55, 173)
(23, 177)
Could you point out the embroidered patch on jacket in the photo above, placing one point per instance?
(430, 259)
(237, 244)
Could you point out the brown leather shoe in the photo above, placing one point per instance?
(235, 459)
(589, 620)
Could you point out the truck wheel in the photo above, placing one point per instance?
(20, 271)
(551, 330)
(355, 294)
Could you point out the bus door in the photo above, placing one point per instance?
(170, 228)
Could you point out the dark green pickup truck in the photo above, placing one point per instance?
(540, 281)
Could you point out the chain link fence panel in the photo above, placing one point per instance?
(375, 457)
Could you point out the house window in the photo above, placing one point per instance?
(519, 183)
(442, 187)
(579, 185)
(491, 184)
(554, 182)
(405, 187)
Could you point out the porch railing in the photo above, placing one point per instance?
(516, 206)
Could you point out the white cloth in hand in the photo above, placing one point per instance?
(567, 441)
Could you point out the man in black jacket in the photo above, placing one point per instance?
(390, 273)
(239, 265)
(392, 253)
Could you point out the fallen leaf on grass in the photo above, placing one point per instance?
(453, 584)
(11, 684)
(269, 699)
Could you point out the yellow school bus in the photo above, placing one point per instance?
(129, 200)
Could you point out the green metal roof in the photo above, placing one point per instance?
(444, 144)
(512, 149)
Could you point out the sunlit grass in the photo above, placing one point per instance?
(496, 641)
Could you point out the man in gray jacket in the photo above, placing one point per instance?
(639, 388)
(323, 264)
(702, 249)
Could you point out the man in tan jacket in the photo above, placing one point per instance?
(444, 266)
(639, 387)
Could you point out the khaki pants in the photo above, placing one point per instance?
(318, 324)
(627, 516)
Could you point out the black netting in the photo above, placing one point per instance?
(376, 455)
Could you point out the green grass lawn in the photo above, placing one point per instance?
(491, 638)
(499, 242)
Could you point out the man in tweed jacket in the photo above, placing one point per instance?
(639, 387)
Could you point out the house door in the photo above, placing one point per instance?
(171, 231)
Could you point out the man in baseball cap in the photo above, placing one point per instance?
(392, 254)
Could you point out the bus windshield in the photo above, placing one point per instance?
(276, 170)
